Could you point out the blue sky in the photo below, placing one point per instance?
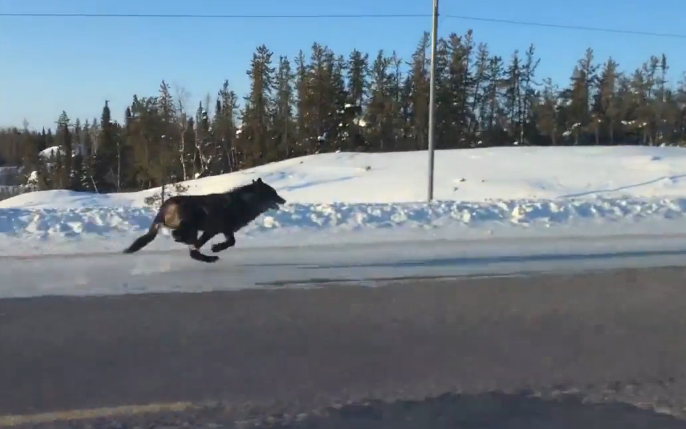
(51, 64)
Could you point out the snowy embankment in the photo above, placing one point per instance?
(346, 197)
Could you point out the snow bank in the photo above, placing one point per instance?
(478, 191)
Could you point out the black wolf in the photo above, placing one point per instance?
(213, 214)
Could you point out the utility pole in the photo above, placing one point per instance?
(432, 90)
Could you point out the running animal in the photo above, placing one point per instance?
(213, 214)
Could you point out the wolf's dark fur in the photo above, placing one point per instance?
(213, 214)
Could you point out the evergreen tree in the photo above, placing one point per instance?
(226, 129)
(104, 162)
(64, 152)
(257, 144)
(283, 125)
(322, 101)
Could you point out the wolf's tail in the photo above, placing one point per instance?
(149, 236)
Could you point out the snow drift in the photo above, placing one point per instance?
(359, 196)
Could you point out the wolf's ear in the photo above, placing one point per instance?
(259, 180)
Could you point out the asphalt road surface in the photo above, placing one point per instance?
(553, 351)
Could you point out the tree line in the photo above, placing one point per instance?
(322, 101)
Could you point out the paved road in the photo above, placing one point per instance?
(609, 335)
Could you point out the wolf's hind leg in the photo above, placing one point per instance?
(185, 234)
(229, 242)
(195, 248)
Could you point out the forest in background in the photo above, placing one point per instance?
(323, 101)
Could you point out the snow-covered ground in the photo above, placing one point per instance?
(353, 216)
(368, 264)
(357, 197)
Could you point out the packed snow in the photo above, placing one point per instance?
(362, 197)
(365, 264)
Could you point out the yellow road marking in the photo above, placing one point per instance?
(125, 410)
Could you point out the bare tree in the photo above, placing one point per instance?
(182, 95)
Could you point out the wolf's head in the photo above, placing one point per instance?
(265, 195)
